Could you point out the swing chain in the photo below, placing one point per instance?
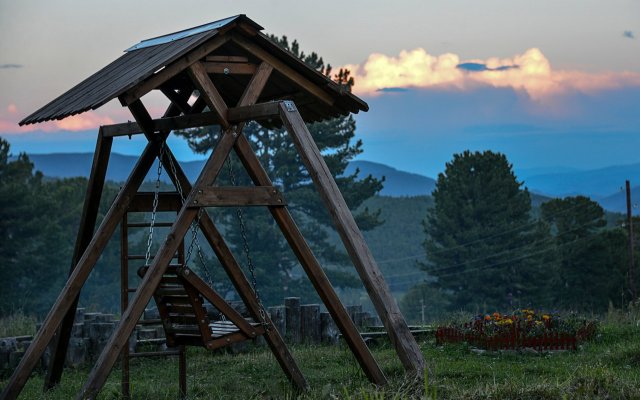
(194, 228)
(247, 253)
(156, 195)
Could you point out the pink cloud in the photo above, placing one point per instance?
(530, 72)
(81, 122)
(12, 109)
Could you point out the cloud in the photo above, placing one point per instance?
(12, 109)
(10, 66)
(530, 72)
(628, 34)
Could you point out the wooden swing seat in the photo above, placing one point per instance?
(184, 316)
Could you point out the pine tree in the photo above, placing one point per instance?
(482, 244)
(275, 264)
(590, 259)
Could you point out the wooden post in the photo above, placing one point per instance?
(80, 273)
(277, 314)
(328, 329)
(310, 323)
(632, 287)
(90, 209)
(292, 316)
(386, 306)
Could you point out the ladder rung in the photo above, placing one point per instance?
(142, 257)
(155, 354)
(148, 224)
(132, 290)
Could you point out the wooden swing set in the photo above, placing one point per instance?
(235, 74)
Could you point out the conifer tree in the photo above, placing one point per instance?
(482, 244)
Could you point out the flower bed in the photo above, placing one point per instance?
(519, 330)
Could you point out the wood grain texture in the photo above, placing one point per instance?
(386, 306)
(238, 197)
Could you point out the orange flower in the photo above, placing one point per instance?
(496, 316)
(487, 317)
(546, 317)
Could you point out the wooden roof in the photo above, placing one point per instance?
(137, 71)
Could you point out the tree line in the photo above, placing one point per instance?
(487, 251)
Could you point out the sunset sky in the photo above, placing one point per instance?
(552, 83)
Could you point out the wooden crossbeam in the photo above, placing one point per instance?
(234, 115)
(238, 197)
(227, 59)
(229, 68)
(386, 306)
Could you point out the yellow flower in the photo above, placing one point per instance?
(546, 317)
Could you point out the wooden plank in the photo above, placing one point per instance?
(80, 273)
(167, 201)
(217, 301)
(254, 112)
(292, 319)
(107, 359)
(242, 285)
(284, 69)
(227, 59)
(234, 196)
(88, 220)
(228, 68)
(312, 268)
(171, 70)
(386, 306)
(235, 114)
(124, 302)
(310, 323)
(211, 95)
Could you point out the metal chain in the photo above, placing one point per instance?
(156, 195)
(247, 253)
(194, 228)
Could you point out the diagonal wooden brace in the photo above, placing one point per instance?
(386, 306)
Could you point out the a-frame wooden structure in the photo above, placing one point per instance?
(238, 75)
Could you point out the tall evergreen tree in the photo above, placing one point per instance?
(590, 259)
(275, 263)
(482, 244)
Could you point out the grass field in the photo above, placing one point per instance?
(608, 367)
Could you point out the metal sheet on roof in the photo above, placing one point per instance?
(182, 34)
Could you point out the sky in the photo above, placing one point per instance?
(551, 83)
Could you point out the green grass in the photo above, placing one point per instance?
(608, 367)
(17, 324)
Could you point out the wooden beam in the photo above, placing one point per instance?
(228, 59)
(80, 273)
(88, 219)
(238, 197)
(386, 306)
(129, 319)
(163, 124)
(217, 301)
(312, 268)
(241, 284)
(228, 68)
(284, 69)
(207, 89)
(254, 112)
(173, 69)
(167, 201)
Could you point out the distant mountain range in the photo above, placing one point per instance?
(67, 165)
(603, 185)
